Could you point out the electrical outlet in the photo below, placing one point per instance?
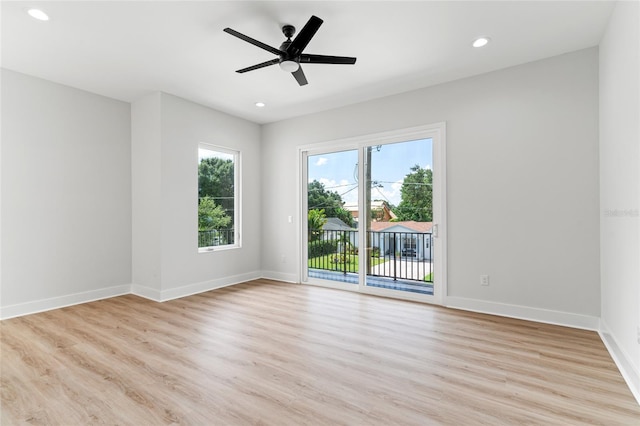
(639, 334)
(484, 279)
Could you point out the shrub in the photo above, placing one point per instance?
(322, 247)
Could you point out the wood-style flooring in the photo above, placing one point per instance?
(268, 353)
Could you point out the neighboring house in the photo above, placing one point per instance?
(404, 239)
(408, 238)
(335, 224)
(335, 228)
(380, 211)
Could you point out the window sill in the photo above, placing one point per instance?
(217, 248)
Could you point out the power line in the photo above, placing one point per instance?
(383, 196)
(331, 187)
(355, 187)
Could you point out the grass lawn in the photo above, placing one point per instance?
(334, 262)
(429, 277)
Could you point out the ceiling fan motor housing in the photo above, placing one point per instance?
(283, 47)
(288, 31)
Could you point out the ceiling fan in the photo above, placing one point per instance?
(290, 54)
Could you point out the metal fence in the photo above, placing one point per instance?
(395, 255)
(216, 237)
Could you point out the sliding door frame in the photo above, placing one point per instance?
(437, 133)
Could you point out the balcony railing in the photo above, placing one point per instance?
(216, 237)
(394, 255)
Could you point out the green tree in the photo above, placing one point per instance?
(211, 216)
(320, 198)
(316, 220)
(344, 215)
(416, 196)
(216, 180)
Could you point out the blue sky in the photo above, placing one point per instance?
(389, 165)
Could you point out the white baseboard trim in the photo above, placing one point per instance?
(43, 305)
(146, 292)
(280, 276)
(155, 295)
(547, 316)
(629, 372)
(201, 287)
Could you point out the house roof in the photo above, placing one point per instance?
(335, 224)
(376, 205)
(410, 225)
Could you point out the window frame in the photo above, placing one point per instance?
(237, 199)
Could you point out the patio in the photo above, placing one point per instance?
(374, 281)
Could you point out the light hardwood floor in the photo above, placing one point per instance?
(268, 353)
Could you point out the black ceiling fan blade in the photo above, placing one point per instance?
(304, 36)
(300, 77)
(254, 41)
(258, 66)
(325, 59)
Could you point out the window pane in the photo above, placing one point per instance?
(332, 213)
(217, 207)
(400, 178)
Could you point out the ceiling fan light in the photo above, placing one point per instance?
(289, 66)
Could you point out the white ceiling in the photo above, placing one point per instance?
(127, 49)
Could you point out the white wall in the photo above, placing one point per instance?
(146, 177)
(620, 188)
(166, 185)
(74, 185)
(66, 195)
(522, 163)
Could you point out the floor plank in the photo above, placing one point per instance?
(269, 353)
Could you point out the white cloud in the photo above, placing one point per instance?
(388, 192)
(335, 186)
(342, 187)
(322, 161)
(328, 183)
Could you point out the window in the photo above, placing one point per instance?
(218, 198)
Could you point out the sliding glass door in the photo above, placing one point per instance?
(398, 201)
(373, 215)
(332, 216)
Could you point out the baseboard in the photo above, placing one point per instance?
(43, 305)
(547, 316)
(201, 287)
(280, 276)
(629, 372)
(146, 292)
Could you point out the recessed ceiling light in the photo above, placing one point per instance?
(481, 41)
(260, 104)
(38, 14)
